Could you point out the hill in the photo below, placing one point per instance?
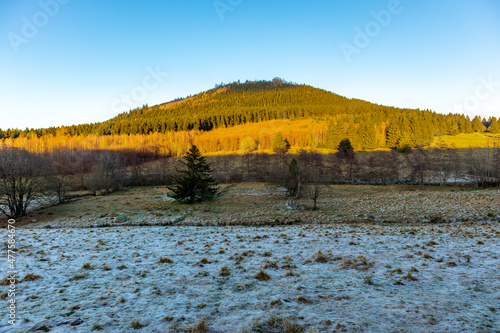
(368, 125)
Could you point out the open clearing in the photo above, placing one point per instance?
(354, 273)
(257, 203)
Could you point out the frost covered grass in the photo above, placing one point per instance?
(299, 278)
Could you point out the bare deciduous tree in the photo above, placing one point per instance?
(418, 162)
(107, 173)
(60, 178)
(22, 180)
(316, 182)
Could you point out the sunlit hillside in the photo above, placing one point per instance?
(246, 117)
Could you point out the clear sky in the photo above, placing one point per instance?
(66, 62)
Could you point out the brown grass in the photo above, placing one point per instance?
(136, 324)
(224, 271)
(320, 257)
(359, 263)
(200, 327)
(31, 277)
(262, 276)
(276, 324)
(164, 260)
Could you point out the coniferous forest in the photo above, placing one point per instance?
(206, 118)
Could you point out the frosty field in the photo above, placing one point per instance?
(366, 277)
(371, 259)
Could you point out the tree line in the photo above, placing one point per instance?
(27, 178)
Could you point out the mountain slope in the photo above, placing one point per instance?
(368, 125)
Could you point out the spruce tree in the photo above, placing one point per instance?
(477, 125)
(494, 127)
(468, 125)
(393, 135)
(195, 184)
(280, 145)
(334, 134)
(368, 136)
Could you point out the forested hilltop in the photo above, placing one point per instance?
(369, 126)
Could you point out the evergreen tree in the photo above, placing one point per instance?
(346, 154)
(468, 125)
(367, 136)
(477, 125)
(345, 150)
(280, 145)
(334, 134)
(452, 127)
(494, 127)
(196, 183)
(393, 134)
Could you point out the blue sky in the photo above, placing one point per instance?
(86, 61)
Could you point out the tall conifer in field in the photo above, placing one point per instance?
(196, 183)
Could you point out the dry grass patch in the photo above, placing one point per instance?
(320, 257)
(276, 324)
(78, 277)
(96, 327)
(359, 263)
(31, 277)
(6, 281)
(165, 260)
(87, 265)
(224, 271)
(304, 300)
(262, 276)
(410, 277)
(136, 324)
(271, 264)
(200, 327)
